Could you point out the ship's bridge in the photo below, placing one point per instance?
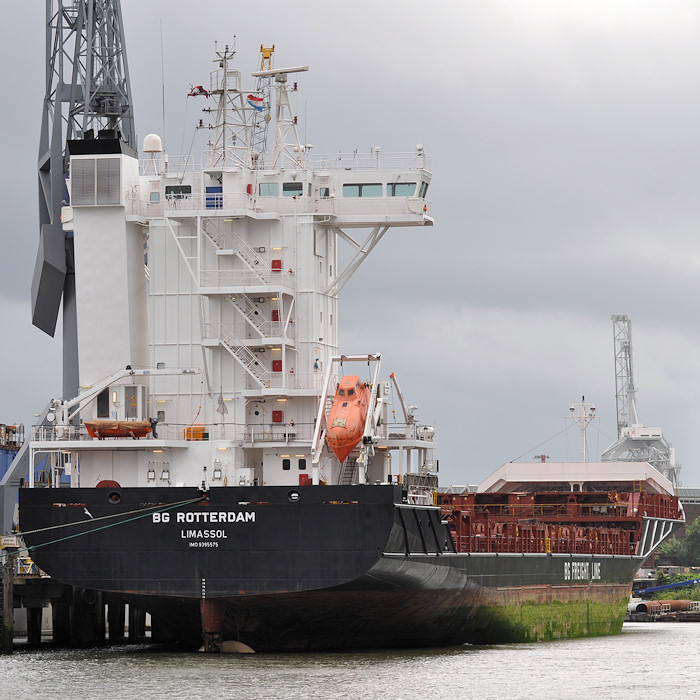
(347, 190)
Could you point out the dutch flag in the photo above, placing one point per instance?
(255, 102)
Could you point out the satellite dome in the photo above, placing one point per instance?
(152, 144)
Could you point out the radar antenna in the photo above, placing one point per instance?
(287, 143)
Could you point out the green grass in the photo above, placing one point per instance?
(541, 622)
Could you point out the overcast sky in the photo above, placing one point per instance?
(563, 139)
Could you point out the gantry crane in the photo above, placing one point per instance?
(87, 105)
(87, 97)
(635, 442)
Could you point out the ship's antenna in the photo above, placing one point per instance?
(231, 140)
(586, 413)
(287, 141)
(162, 78)
(260, 101)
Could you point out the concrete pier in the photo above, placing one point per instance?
(87, 624)
(34, 615)
(137, 625)
(116, 619)
(79, 617)
(7, 606)
(60, 622)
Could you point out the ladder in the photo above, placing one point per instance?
(248, 360)
(251, 313)
(211, 231)
(250, 257)
(348, 472)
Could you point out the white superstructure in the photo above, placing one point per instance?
(216, 280)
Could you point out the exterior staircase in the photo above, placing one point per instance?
(349, 472)
(251, 313)
(240, 247)
(248, 360)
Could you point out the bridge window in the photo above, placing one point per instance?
(292, 189)
(373, 189)
(401, 189)
(269, 189)
(423, 189)
(177, 191)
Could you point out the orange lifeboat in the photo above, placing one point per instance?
(346, 419)
(118, 428)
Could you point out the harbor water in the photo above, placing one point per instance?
(646, 660)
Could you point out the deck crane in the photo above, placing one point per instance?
(636, 442)
(408, 411)
(88, 99)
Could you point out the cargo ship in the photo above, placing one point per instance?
(211, 468)
(288, 568)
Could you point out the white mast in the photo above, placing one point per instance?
(231, 144)
(287, 141)
(584, 416)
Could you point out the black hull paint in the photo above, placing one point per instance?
(314, 567)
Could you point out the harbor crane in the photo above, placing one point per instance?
(87, 104)
(635, 442)
(87, 97)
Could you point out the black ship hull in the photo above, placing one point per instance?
(310, 568)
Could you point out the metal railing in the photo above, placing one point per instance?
(244, 278)
(267, 329)
(245, 434)
(409, 431)
(624, 506)
(331, 206)
(372, 160)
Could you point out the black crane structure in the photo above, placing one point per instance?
(87, 98)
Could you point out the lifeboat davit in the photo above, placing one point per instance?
(118, 428)
(346, 419)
